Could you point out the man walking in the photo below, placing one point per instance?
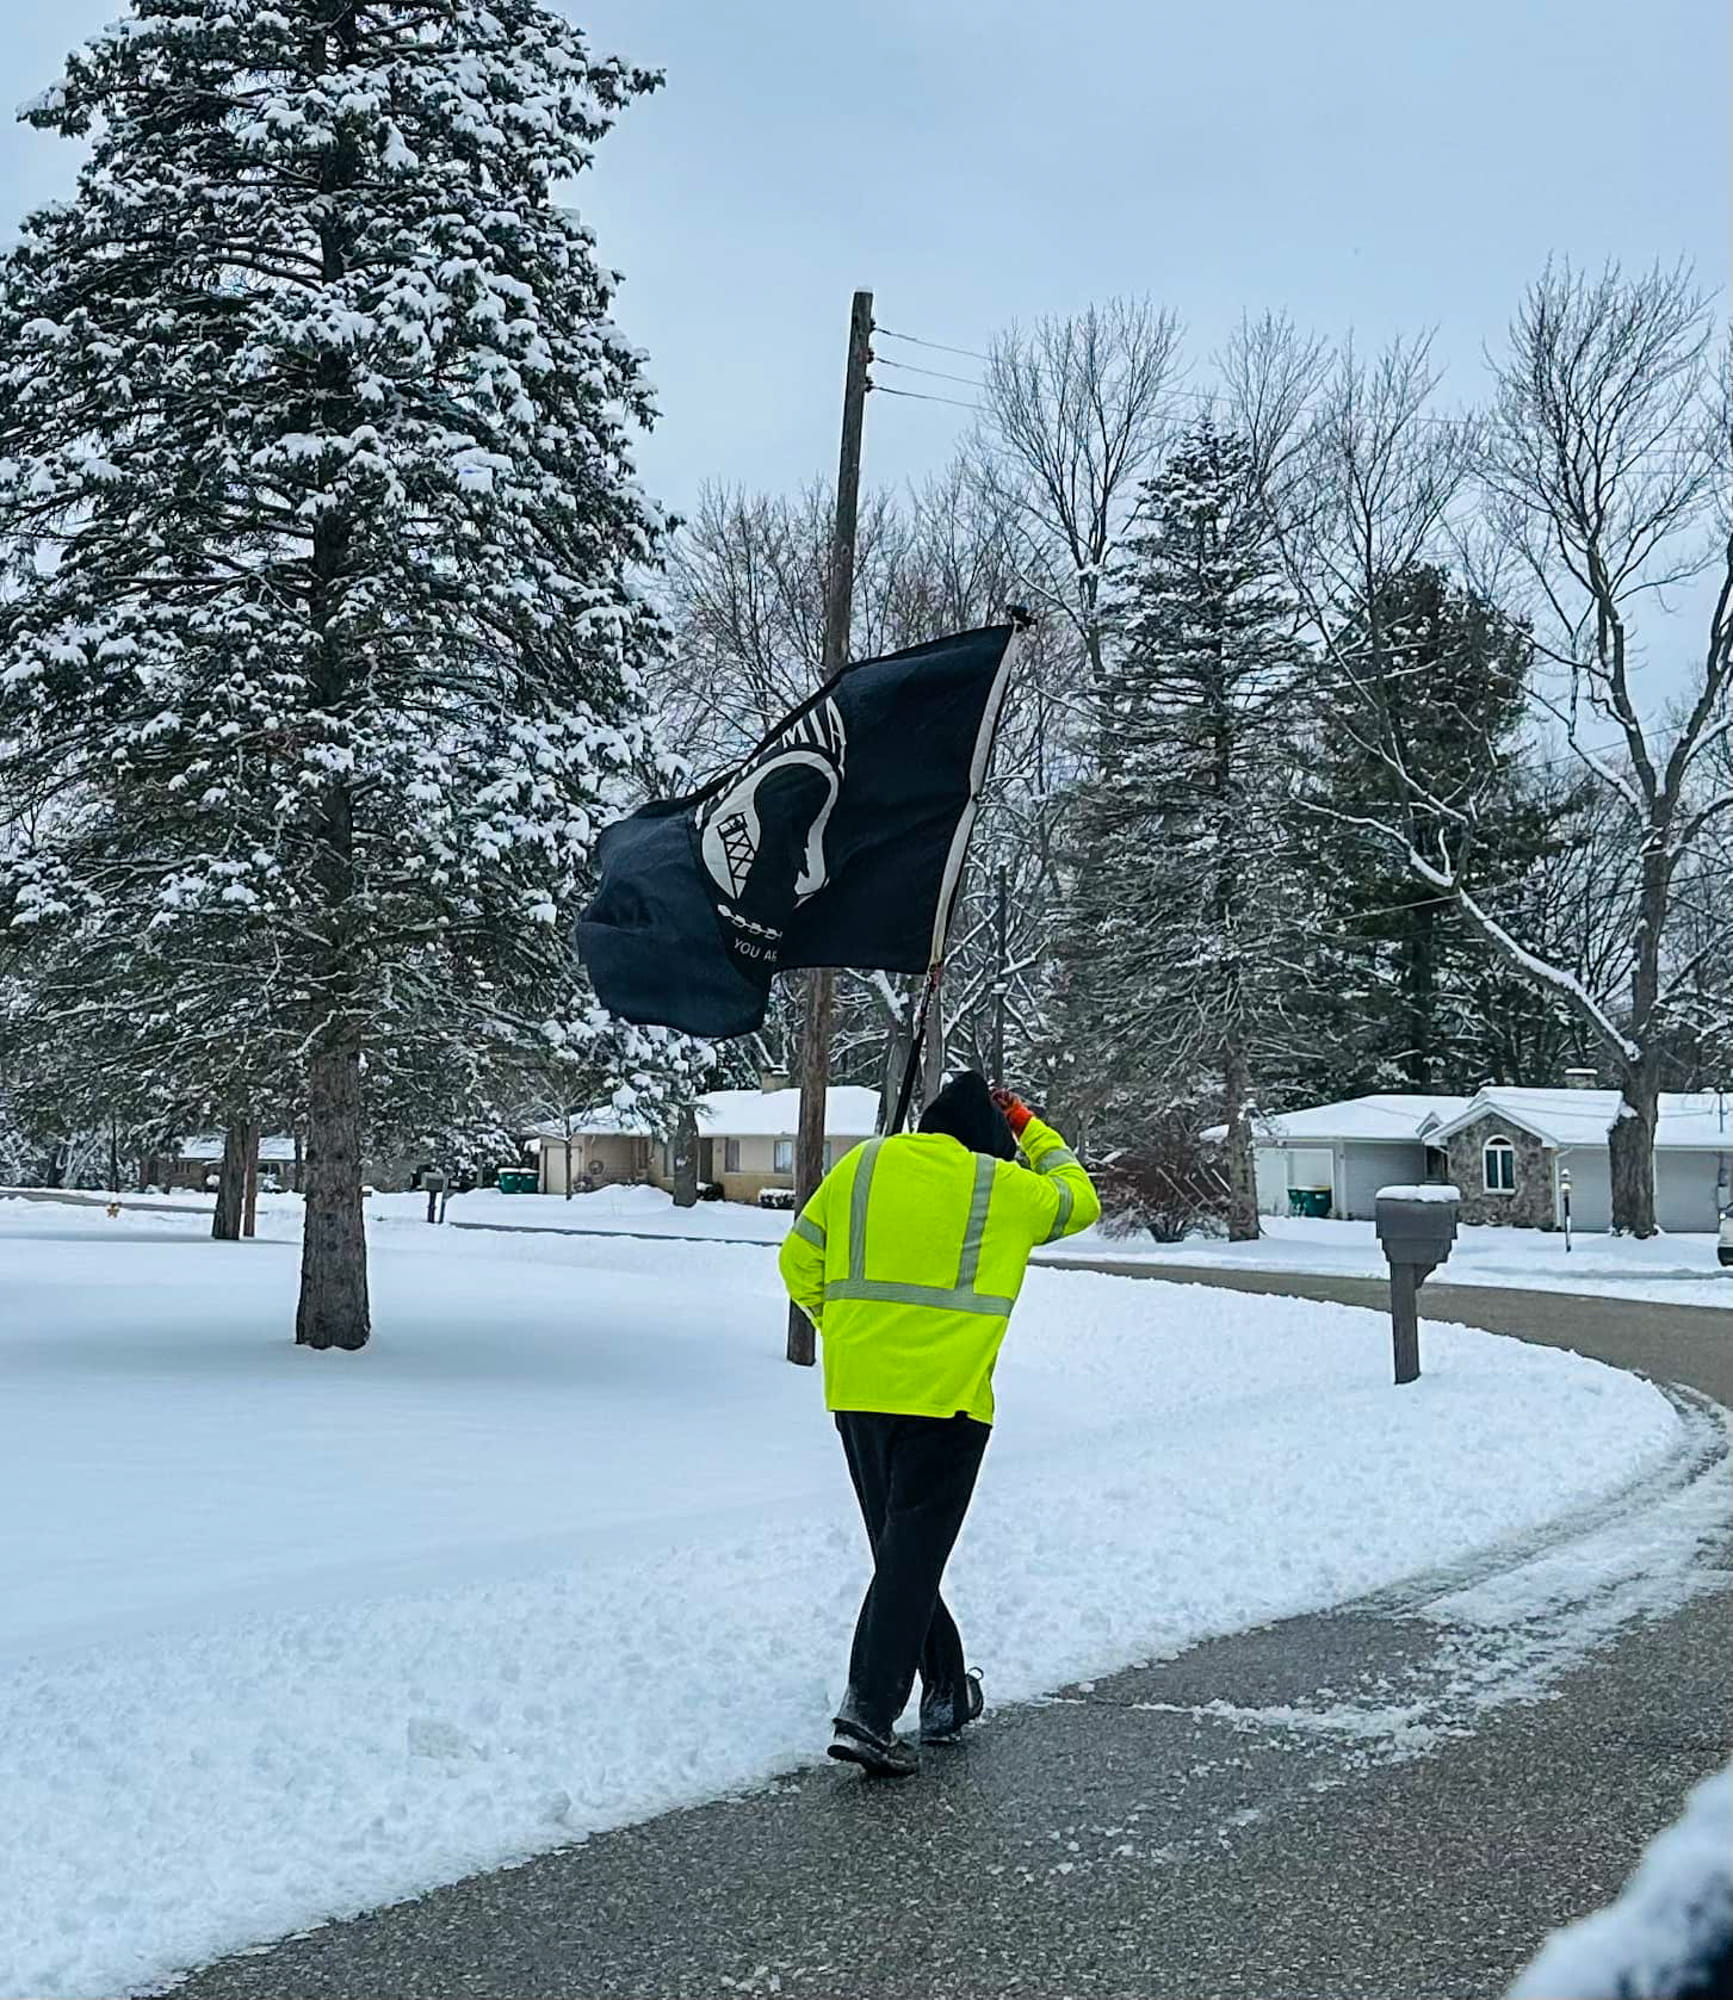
(908, 1260)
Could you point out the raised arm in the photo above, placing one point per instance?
(1065, 1189)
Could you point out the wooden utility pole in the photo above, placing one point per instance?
(1001, 953)
(838, 615)
(933, 1047)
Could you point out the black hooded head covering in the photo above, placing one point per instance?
(965, 1110)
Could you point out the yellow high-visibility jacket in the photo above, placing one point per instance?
(909, 1258)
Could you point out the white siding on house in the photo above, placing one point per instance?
(1685, 1189)
(1366, 1167)
(1685, 1185)
(1272, 1164)
(1591, 1187)
(1312, 1167)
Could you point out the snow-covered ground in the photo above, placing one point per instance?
(1672, 1270)
(284, 1635)
(644, 1211)
(1676, 1270)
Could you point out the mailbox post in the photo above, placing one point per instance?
(1416, 1226)
(435, 1186)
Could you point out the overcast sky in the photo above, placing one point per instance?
(1366, 166)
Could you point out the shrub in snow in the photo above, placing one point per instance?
(776, 1197)
(1171, 1186)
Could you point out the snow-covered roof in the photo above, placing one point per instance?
(1691, 1121)
(602, 1123)
(851, 1112)
(209, 1146)
(1388, 1115)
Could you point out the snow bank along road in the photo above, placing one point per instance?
(1357, 1804)
(284, 1636)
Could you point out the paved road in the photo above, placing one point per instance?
(1159, 1833)
(72, 1198)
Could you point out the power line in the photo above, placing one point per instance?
(916, 396)
(1210, 399)
(938, 374)
(1214, 399)
(938, 346)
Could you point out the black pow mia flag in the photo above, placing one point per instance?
(838, 841)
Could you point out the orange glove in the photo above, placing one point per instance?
(1017, 1113)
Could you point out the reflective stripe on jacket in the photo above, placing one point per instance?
(909, 1259)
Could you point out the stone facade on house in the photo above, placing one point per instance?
(1532, 1205)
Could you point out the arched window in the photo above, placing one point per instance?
(1498, 1164)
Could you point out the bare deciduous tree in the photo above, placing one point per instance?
(1601, 478)
(1607, 463)
(1077, 411)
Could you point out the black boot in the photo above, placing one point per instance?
(881, 1756)
(943, 1717)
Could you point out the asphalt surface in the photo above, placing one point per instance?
(1306, 1809)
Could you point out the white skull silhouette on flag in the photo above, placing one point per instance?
(771, 818)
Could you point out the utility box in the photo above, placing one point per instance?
(1416, 1226)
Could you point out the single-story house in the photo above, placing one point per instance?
(195, 1160)
(745, 1142)
(1512, 1151)
(1349, 1150)
(589, 1150)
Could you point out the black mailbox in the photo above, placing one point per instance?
(1414, 1230)
(1417, 1226)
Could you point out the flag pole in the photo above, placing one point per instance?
(838, 616)
(951, 881)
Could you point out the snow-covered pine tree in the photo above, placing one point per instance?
(313, 416)
(1177, 976)
(1436, 692)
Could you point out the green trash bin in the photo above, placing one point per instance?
(518, 1180)
(1313, 1202)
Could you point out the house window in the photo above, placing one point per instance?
(1498, 1164)
(785, 1156)
(731, 1156)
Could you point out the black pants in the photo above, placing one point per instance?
(913, 1477)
